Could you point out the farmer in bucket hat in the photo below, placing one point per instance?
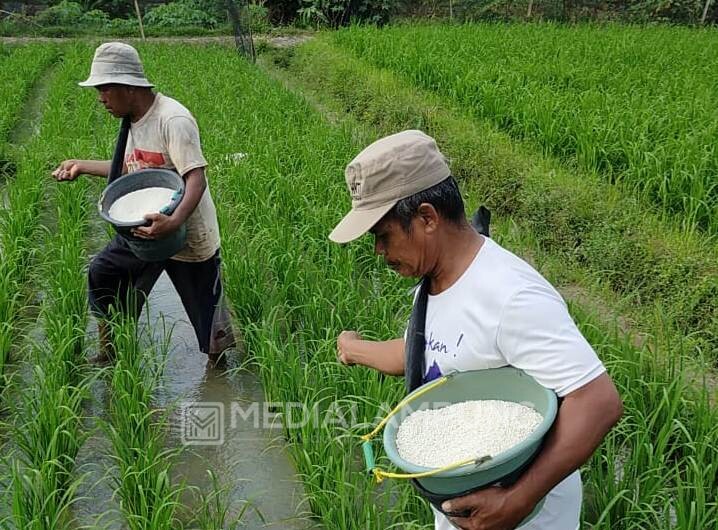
(485, 308)
(163, 134)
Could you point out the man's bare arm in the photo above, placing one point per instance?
(385, 356)
(71, 169)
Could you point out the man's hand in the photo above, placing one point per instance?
(345, 342)
(162, 226)
(490, 509)
(68, 170)
(385, 356)
(71, 169)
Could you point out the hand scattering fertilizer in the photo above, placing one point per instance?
(135, 205)
(465, 432)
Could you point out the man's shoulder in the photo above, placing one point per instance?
(502, 275)
(502, 268)
(169, 109)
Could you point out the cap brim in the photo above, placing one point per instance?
(357, 223)
(115, 80)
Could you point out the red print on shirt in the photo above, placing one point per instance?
(140, 159)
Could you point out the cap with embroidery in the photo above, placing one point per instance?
(389, 170)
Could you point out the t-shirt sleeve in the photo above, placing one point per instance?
(537, 335)
(183, 144)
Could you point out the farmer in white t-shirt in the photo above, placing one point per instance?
(163, 134)
(486, 308)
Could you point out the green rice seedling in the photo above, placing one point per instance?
(639, 474)
(142, 482)
(589, 234)
(213, 511)
(285, 195)
(43, 480)
(34, 505)
(294, 292)
(20, 218)
(19, 70)
(8, 312)
(48, 429)
(284, 277)
(19, 243)
(148, 498)
(630, 103)
(50, 432)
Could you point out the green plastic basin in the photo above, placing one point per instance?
(505, 384)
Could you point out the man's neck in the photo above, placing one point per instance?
(458, 250)
(142, 105)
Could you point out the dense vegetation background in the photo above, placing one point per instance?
(116, 17)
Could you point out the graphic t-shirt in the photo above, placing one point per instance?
(500, 312)
(167, 137)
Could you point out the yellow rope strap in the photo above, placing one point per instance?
(408, 399)
(380, 475)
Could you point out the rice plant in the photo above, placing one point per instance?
(589, 233)
(43, 479)
(20, 67)
(632, 103)
(148, 498)
(48, 429)
(294, 292)
(20, 192)
(213, 512)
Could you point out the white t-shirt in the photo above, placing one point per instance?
(500, 312)
(167, 137)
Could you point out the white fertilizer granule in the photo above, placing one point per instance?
(135, 205)
(470, 429)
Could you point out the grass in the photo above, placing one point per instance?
(294, 292)
(589, 231)
(148, 498)
(632, 103)
(22, 193)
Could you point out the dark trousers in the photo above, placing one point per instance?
(120, 280)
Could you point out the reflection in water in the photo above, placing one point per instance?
(250, 461)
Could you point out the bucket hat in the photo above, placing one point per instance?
(116, 63)
(389, 170)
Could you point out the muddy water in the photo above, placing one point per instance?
(250, 462)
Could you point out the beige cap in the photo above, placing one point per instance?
(118, 63)
(389, 170)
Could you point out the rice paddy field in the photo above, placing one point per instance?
(632, 104)
(571, 176)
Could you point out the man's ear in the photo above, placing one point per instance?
(428, 217)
